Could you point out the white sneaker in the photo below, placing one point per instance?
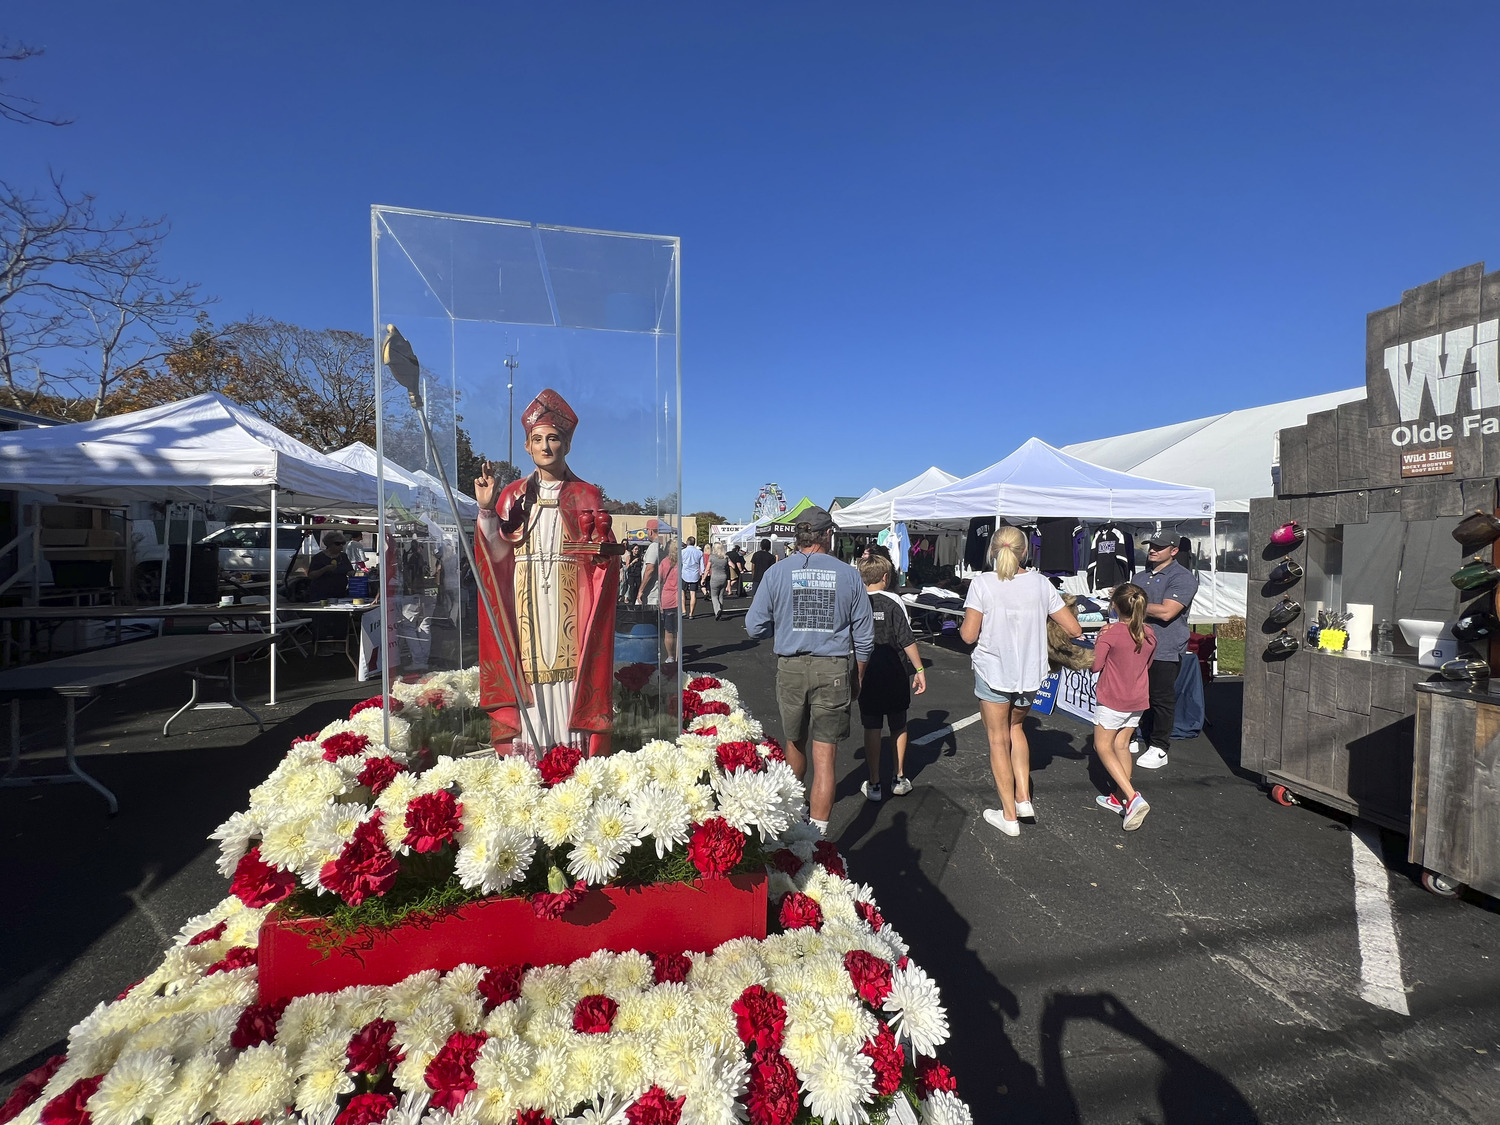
(997, 818)
(1023, 808)
(1135, 746)
(871, 791)
(1152, 759)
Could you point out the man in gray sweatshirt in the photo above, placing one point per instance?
(816, 609)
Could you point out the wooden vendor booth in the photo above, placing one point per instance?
(1377, 488)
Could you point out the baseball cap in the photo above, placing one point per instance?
(1160, 539)
(817, 519)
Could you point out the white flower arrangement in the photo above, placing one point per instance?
(832, 1011)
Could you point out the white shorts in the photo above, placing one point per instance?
(1110, 719)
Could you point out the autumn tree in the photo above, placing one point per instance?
(13, 106)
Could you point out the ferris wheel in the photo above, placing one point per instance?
(770, 502)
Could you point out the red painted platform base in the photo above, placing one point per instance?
(673, 918)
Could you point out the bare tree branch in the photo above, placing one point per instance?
(14, 107)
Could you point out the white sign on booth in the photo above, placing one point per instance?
(1075, 692)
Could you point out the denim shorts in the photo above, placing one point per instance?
(990, 695)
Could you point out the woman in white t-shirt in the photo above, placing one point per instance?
(1006, 613)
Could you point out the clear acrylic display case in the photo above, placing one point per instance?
(496, 311)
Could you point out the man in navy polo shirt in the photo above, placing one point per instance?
(1170, 588)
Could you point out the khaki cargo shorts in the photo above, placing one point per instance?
(814, 694)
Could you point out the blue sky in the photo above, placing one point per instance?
(912, 234)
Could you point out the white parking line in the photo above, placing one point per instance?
(944, 732)
(1380, 956)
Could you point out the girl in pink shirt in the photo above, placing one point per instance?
(1122, 658)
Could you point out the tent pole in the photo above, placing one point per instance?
(273, 595)
(166, 559)
(187, 555)
(1213, 557)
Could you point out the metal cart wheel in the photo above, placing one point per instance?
(1284, 796)
(1441, 885)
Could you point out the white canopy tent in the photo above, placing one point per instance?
(401, 487)
(873, 510)
(468, 507)
(207, 449)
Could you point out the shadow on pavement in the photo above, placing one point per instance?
(1189, 1091)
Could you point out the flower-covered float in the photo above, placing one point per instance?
(362, 835)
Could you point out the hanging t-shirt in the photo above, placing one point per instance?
(977, 544)
(1011, 654)
(1057, 554)
(1111, 558)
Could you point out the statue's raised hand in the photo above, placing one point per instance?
(486, 488)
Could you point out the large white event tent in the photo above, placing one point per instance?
(401, 487)
(872, 511)
(207, 449)
(1230, 453)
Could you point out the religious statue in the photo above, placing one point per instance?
(547, 557)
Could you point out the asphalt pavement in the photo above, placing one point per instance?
(1207, 968)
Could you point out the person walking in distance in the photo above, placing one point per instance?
(1122, 660)
(667, 611)
(690, 562)
(1005, 618)
(816, 610)
(760, 562)
(893, 675)
(718, 578)
(1170, 588)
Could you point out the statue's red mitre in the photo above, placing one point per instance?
(550, 409)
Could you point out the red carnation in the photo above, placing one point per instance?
(369, 1048)
(240, 957)
(826, 852)
(450, 1074)
(670, 968)
(786, 861)
(739, 755)
(30, 1088)
(365, 867)
(379, 772)
(71, 1107)
(716, 847)
(432, 820)
(594, 1015)
(366, 1109)
(798, 910)
(374, 701)
(635, 676)
(532, 1117)
(127, 990)
(213, 933)
(501, 985)
(714, 708)
(886, 1057)
(256, 883)
(774, 1091)
(558, 764)
(342, 745)
(432, 697)
(933, 1075)
(775, 753)
(703, 683)
(654, 1107)
(692, 702)
(257, 1025)
(871, 975)
(760, 1019)
(554, 906)
(707, 730)
(870, 913)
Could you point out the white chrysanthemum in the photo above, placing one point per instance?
(210, 1030)
(590, 975)
(234, 837)
(514, 773)
(717, 1082)
(544, 1088)
(595, 861)
(495, 858)
(548, 988)
(358, 1005)
(257, 1084)
(500, 1071)
(133, 1087)
(162, 1033)
(410, 1075)
(839, 1082)
(919, 1014)
(624, 775)
(698, 800)
(287, 841)
(631, 1064)
(944, 1108)
(589, 1073)
(750, 800)
(242, 923)
(321, 1075)
(631, 972)
(427, 1028)
(306, 1018)
(593, 774)
(303, 787)
(404, 997)
(612, 824)
(660, 813)
(192, 1092)
(224, 990)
